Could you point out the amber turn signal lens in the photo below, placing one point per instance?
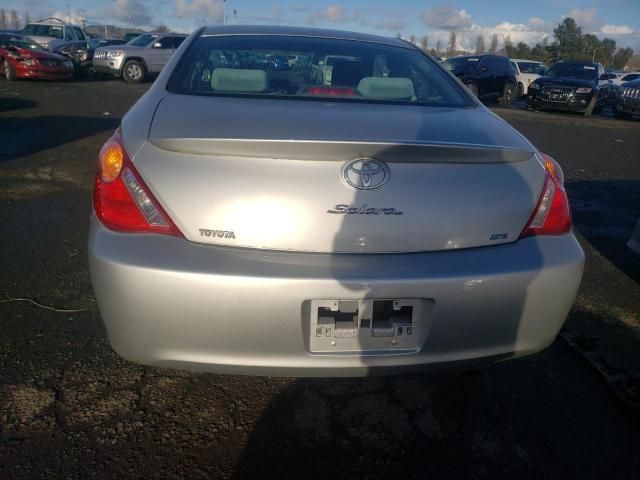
(111, 161)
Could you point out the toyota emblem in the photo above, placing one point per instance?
(365, 173)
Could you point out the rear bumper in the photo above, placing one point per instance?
(169, 302)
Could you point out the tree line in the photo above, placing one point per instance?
(569, 43)
(12, 20)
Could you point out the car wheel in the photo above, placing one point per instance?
(8, 71)
(473, 88)
(520, 92)
(508, 95)
(133, 71)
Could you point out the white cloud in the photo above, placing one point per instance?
(444, 17)
(202, 11)
(616, 30)
(589, 20)
(332, 14)
(131, 12)
(536, 23)
(74, 17)
(394, 25)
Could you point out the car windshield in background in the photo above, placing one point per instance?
(18, 42)
(573, 70)
(531, 67)
(43, 31)
(142, 40)
(297, 67)
(460, 65)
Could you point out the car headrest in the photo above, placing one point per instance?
(386, 88)
(346, 73)
(238, 80)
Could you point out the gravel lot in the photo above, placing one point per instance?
(70, 408)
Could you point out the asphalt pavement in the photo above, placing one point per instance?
(71, 408)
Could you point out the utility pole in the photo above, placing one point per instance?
(104, 11)
(224, 12)
(68, 13)
(593, 58)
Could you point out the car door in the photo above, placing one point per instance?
(486, 73)
(160, 52)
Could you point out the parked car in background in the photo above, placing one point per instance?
(569, 86)
(526, 72)
(22, 57)
(82, 56)
(134, 61)
(52, 33)
(130, 36)
(627, 103)
(627, 77)
(488, 76)
(325, 230)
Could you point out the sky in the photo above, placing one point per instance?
(528, 21)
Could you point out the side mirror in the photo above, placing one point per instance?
(157, 45)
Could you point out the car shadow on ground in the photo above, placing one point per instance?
(605, 212)
(507, 421)
(20, 136)
(9, 104)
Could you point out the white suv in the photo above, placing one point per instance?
(50, 32)
(526, 72)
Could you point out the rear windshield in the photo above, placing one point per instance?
(313, 68)
(43, 31)
(142, 40)
(460, 65)
(573, 70)
(18, 41)
(531, 67)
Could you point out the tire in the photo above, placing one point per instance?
(508, 95)
(473, 88)
(133, 72)
(8, 71)
(520, 91)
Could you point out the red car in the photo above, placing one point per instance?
(21, 57)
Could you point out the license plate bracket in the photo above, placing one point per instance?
(369, 325)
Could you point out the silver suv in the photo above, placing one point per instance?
(52, 32)
(143, 55)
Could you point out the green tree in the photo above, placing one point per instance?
(480, 44)
(621, 58)
(568, 35)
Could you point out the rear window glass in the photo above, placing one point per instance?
(313, 68)
(531, 67)
(460, 65)
(43, 31)
(573, 70)
(142, 40)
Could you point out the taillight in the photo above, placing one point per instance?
(121, 199)
(552, 215)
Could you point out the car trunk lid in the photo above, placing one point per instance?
(270, 174)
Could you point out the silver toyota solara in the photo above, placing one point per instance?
(288, 201)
